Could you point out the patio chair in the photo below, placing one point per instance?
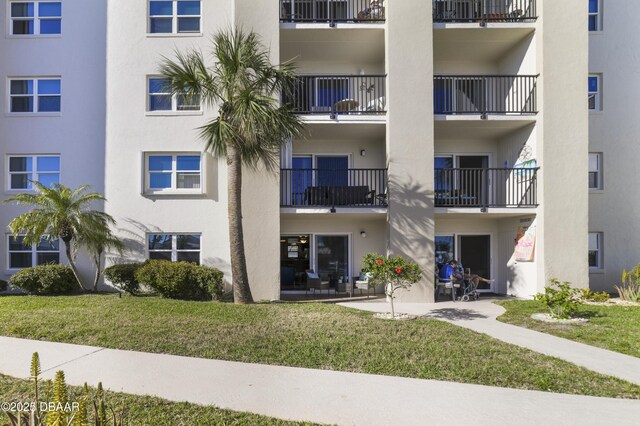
(315, 283)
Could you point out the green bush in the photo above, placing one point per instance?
(123, 276)
(562, 301)
(595, 296)
(3, 285)
(45, 279)
(181, 280)
(629, 290)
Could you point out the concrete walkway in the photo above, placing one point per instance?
(312, 395)
(481, 316)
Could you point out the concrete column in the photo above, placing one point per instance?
(563, 143)
(260, 189)
(410, 138)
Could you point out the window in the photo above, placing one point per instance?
(36, 17)
(174, 247)
(595, 101)
(173, 172)
(174, 16)
(595, 19)
(595, 250)
(161, 99)
(595, 170)
(34, 95)
(41, 168)
(23, 256)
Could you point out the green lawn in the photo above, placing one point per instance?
(616, 328)
(144, 410)
(318, 336)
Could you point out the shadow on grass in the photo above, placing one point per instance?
(455, 314)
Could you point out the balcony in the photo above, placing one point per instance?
(356, 188)
(332, 11)
(486, 187)
(504, 95)
(338, 95)
(483, 11)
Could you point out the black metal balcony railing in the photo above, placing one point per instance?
(482, 94)
(482, 188)
(333, 188)
(484, 11)
(345, 94)
(332, 11)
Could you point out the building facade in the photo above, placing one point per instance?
(435, 130)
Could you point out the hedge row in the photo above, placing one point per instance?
(173, 280)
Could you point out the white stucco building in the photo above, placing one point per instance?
(435, 130)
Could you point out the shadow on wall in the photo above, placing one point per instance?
(414, 230)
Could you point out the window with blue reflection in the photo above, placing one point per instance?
(48, 179)
(188, 8)
(20, 164)
(51, 26)
(161, 8)
(22, 10)
(160, 163)
(49, 9)
(593, 84)
(593, 6)
(159, 242)
(48, 164)
(21, 87)
(188, 163)
(49, 104)
(48, 87)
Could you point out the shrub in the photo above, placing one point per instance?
(562, 301)
(45, 279)
(595, 296)
(181, 280)
(394, 272)
(629, 290)
(123, 276)
(3, 285)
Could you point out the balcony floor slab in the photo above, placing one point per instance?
(477, 213)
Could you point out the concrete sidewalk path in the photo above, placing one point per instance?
(312, 395)
(480, 316)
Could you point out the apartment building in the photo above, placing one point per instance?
(52, 124)
(435, 130)
(613, 129)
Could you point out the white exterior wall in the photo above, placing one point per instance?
(614, 132)
(78, 56)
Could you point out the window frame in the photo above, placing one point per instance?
(599, 171)
(174, 190)
(174, 245)
(597, 95)
(35, 173)
(599, 250)
(36, 18)
(598, 15)
(34, 95)
(174, 20)
(34, 253)
(175, 104)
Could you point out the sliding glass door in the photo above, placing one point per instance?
(332, 257)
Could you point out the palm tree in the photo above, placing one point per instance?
(96, 244)
(60, 212)
(250, 125)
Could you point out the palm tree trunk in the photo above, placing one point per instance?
(67, 250)
(240, 277)
(97, 264)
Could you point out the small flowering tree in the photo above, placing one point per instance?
(394, 272)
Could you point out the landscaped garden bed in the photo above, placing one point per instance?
(611, 326)
(308, 335)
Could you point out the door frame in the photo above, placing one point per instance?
(313, 259)
(492, 255)
(455, 155)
